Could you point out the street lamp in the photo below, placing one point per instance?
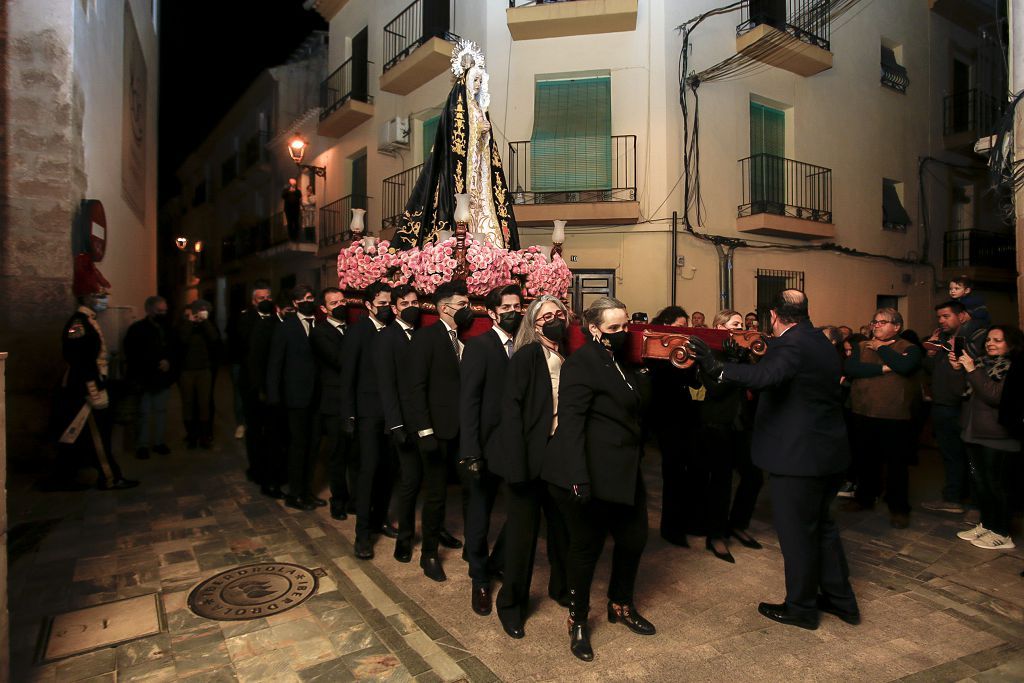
(297, 149)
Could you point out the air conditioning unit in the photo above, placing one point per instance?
(394, 135)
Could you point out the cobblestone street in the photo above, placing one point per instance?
(935, 608)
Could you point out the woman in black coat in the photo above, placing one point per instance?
(593, 467)
(528, 420)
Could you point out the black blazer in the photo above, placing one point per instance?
(527, 411)
(392, 363)
(258, 355)
(329, 349)
(432, 400)
(798, 427)
(291, 368)
(599, 438)
(484, 364)
(360, 397)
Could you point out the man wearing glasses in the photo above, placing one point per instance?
(884, 389)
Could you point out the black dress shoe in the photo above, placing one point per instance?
(317, 502)
(118, 484)
(299, 503)
(389, 530)
(679, 540)
(338, 512)
(403, 551)
(826, 605)
(449, 541)
(780, 614)
(579, 641)
(363, 550)
(273, 492)
(745, 539)
(482, 600)
(628, 615)
(432, 568)
(512, 630)
(727, 556)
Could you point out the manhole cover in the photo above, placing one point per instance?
(252, 591)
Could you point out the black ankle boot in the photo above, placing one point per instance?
(579, 640)
(627, 614)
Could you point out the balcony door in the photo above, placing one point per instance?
(359, 182)
(360, 70)
(767, 158)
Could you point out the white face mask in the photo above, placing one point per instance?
(202, 315)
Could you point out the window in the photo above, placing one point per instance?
(429, 132)
(894, 216)
(767, 159)
(359, 181)
(571, 144)
(769, 284)
(963, 206)
(894, 74)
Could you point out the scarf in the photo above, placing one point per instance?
(995, 367)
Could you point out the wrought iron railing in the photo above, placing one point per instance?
(336, 217)
(395, 192)
(805, 20)
(971, 111)
(339, 88)
(895, 76)
(255, 150)
(621, 185)
(772, 184)
(521, 3)
(415, 25)
(962, 248)
(279, 228)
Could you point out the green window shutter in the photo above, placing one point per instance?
(571, 145)
(429, 131)
(767, 173)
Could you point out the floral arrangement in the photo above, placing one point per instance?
(488, 267)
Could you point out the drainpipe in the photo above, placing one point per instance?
(724, 276)
(673, 271)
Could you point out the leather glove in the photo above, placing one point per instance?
(98, 398)
(733, 350)
(581, 493)
(348, 426)
(705, 358)
(473, 466)
(428, 445)
(399, 436)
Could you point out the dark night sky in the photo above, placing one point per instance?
(209, 54)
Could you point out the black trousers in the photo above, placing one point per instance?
(723, 450)
(303, 434)
(524, 503)
(83, 451)
(342, 460)
(991, 478)
(266, 439)
(589, 524)
(435, 491)
(811, 548)
(482, 492)
(376, 473)
(884, 443)
(674, 488)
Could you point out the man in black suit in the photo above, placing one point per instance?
(361, 402)
(240, 336)
(328, 340)
(266, 439)
(800, 440)
(431, 409)
(292, 381)
(484, 364)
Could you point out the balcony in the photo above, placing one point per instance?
(785, 198)
(282, 242)
(335, 219)
(967, 116)
(396, 191)
(344, 103)
(328, 9)
(541, 19)
(573, 184)
(416, 48)
(981, 255)
(789, 34)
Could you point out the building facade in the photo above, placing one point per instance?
(832, 152)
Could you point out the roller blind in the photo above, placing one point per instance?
(571, 145)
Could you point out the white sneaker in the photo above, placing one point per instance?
(240, 432)
(847, 491)
(993, 541)
(974, 534)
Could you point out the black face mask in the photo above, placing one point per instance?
(385, 315)
(463, 318)
(411, 315)
(615, 341)
(554, 330)
(339, 312)
(160, 318)
(266, 307)
(306, 308)
(510, 321)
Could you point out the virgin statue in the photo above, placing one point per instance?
(464, 159)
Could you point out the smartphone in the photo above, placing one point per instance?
(958, 346)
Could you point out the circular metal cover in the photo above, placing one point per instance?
(252, 591)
